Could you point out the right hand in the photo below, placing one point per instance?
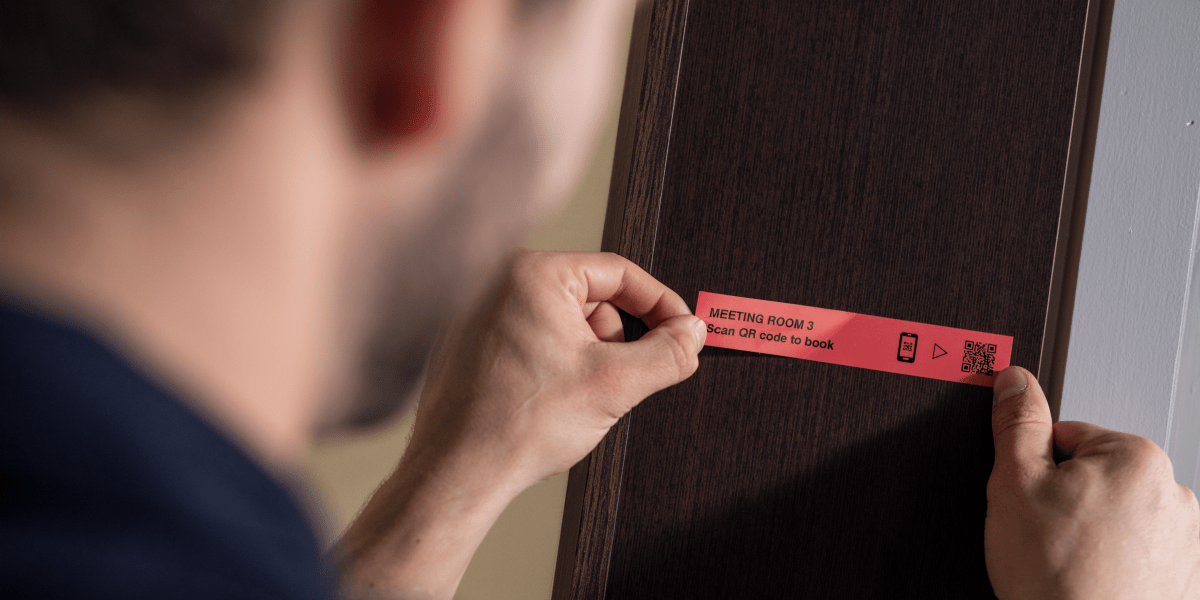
(1110, 522)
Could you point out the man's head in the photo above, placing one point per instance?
(55, 52)
(253, 192)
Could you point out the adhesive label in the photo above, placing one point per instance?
(854, 340)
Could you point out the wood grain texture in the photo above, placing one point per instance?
(1060, 300)
(643, 135)
(899, 158)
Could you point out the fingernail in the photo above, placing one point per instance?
(1009, 383)
(701, 331)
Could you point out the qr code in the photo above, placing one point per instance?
(979, 358)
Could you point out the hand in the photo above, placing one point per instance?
(519, 391)
(1109, 522)
(532, 382)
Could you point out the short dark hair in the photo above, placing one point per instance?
(53, 52)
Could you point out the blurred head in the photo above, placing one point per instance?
(353, 170)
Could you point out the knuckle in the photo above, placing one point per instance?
(1191, 509)
(686, 361)
(1142, 446)
(613, 259)
(1013, 478)
(1109, 444)
(1013, 488)
(1010, 416)
(1189, 500)
(1144, 454)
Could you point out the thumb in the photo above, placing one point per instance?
(1021, 425)
(662, 358)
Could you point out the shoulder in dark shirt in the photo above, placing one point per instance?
(110, 488)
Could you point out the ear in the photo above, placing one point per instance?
(396, 55)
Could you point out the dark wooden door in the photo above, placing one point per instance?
(901, 158)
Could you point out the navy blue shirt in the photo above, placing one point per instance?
(110, 488)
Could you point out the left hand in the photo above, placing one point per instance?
(532, 382)
(523, 389)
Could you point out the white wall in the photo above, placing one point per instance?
(1133, 359)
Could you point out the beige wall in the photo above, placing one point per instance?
(516, 560)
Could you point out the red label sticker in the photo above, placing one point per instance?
(854, 340)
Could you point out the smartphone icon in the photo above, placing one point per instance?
(908, 348)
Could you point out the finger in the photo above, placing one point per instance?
(605, 322)
(1117, 449)
(663, 357)
(1021, 426)
(611, 278)
(1076, 438)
